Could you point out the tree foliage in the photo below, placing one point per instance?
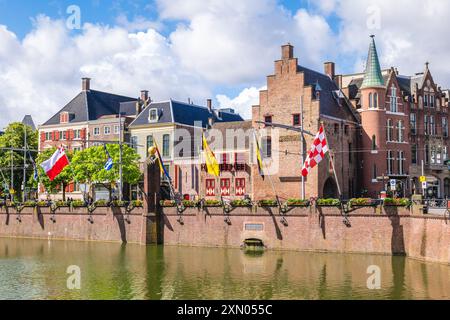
(14, 137)
(88, 166)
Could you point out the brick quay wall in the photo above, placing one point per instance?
(104, 224)
(379, 230)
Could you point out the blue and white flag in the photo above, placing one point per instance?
(109, 163)
(35, 173)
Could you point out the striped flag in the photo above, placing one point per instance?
(109, 163)
(56, 164)
(318, 150)
(258, 157)
(160, 161)
(212, 165)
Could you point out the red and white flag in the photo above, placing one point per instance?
(318, 150)
(55, 164)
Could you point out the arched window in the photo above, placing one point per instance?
(375, 100)
(374, 142)
(370, 101)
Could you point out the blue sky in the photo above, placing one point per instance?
(202, 49)
(19, 15)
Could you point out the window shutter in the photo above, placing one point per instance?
(83, 134)
(42, 136)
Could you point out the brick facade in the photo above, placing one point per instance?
(286, 90)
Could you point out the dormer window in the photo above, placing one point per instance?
(153, 115)
(64, 117)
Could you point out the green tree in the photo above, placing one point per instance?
(61, 181)
(14, 137)
(88, 166)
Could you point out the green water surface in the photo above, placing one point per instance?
(37, 269)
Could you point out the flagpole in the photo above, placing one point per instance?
(330, 156)
(302, 151)
(270, 178)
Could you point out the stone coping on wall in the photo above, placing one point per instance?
(68, 211)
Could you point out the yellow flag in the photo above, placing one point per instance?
(211, 162)
(258, 157)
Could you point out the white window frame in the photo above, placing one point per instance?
(107, 128)
(96, 131)
(432, 126)
(390, 162)
(401, 130)
(401, 162)
(413, 122)
(394, 102)
(390, 130)
(153, 112)
(116, 129)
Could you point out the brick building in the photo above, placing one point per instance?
(176, 127)
(235, 158)
(290, 86)
(404, 121)
(89, 118)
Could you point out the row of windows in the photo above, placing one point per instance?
(432, 155)
(62, 135)
(296, 119)
(225, 185)
(390, 131)
(429, 124)
(150, 143)
(106, 130)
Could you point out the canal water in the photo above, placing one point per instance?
(37, 269)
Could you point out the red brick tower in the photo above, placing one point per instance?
(373, 121)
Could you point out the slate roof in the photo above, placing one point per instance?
(182, 113)
(91, 105)
(28, 120)
(329, 104)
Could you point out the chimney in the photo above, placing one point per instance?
(338, 80)
(329, 69)
(209, 104)
(138, 107)
(144, 95)
(287, 51)
(85, 84)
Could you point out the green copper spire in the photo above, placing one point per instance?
(373, 76)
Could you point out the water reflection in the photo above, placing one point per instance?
(35, 269)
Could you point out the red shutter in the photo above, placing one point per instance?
(210, 187)
(240, 186)
(225, 187)
(71, 187)
(42, 136)
(56, 135)
(52, 135)
(83, 134)
(68, 134)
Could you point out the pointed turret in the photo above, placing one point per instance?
(372, 77)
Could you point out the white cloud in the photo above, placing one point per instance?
(215, 44)
(243, 103)
(41, 73)
(230, 43)
(409, 34)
